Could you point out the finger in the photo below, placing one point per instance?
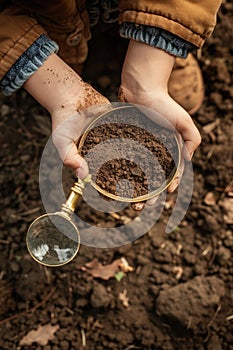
(73, 160)
(82, 171)
(189, 132)
(168, 112)
(184, 125)
(68, 151)
(176, 181)
(152, 201)
(138, 206)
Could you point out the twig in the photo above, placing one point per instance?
(71, 312)
(33, 309)
(47, 274)
(70, 292)
(3, 241)
(84, 343)
(225, 190)
(30, 211)
(211, 322)
(2, 274)
(213, 253)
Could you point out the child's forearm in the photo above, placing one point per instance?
(54, 85)
(146, 69)
(58, 88)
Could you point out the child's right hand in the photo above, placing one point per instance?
(64, 94)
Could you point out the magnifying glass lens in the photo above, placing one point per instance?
(53, 240)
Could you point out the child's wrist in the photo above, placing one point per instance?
(54, 85)
(146, 68)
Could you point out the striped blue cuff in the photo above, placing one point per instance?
(157, 37)
(27, 64)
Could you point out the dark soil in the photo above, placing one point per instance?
(128, 159)
(179, 294)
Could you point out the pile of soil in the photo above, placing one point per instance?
(123, 137)
(178, 293)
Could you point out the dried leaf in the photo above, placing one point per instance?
(123, 297)
(105, 272)
(40, 336)
(96, 269)
(210, 199)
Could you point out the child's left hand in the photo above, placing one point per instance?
(144, 81)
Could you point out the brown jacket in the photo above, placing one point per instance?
(66, 22)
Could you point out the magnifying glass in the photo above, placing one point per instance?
(130, 147)
(53, 239)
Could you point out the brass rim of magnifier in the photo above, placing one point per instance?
(78, 235)
(144, 197)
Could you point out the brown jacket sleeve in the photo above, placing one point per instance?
(17, 32)
(23, 21)
(191, 20)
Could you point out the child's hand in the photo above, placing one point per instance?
(144, 81)
(64, 94)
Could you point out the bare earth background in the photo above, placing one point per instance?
(179, 294)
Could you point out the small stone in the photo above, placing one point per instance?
(64, 344)
(216, 98)
(100, 297)
(189, 257)
(227, 205)
(81, 302)
(162, 256)
(210, 199)
(5, 110)
(176, 304)
(14, 266)
(223, 255)
(228, 243)
(214, 343)
(142, 260)
(211, 224)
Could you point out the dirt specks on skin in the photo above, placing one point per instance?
(91, 97)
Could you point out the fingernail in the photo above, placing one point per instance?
(138, 206)
(83, 170)
(152, 201)
(173, 185)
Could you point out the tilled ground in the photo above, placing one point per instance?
(178, 295)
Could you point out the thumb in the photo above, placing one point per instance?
(68, 151)
(73, 160)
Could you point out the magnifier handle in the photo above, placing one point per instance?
(75, 192)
